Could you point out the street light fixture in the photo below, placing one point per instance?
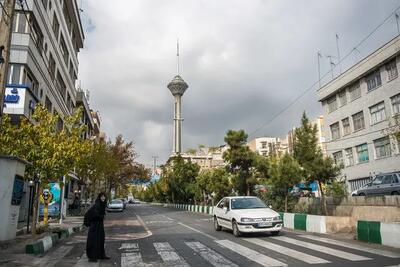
(30, 184)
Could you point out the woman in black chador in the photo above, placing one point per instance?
(94, 217)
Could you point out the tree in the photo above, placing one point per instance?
(240, 160)
(284, 173)
(52, 148)
(214, 182)
(315, 165)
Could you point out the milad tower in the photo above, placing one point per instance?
(177, 87)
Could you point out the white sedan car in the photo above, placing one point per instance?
(246, 215)
(115, 205)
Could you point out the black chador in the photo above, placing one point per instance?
(94, 219)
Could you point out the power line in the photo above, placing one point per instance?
(327, 73)
(4, 10)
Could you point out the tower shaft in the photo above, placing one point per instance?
(178, 125)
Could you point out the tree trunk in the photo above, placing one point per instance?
(35, 208)
(286, 202)
(323, 199)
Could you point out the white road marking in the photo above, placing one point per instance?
(169, 256)
(198, 231)
(380, 252)
(326, 250)
(52, 258)
(210, 255)
(84, 261)
(250, 254)
(287, 251)
(133, 257)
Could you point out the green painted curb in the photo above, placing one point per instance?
(300, 221)
(374, 232)
(362, 230)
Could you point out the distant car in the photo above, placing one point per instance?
(115, 205)
(246, 215)
(301, 192)
(382, 184)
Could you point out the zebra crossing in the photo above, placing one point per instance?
(262, 251)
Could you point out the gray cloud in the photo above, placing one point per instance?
(244, 61)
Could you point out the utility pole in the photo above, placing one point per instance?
(155, 164)
(319, 69)
(7, 17)
(338, 52)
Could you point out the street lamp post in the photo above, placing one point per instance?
(31, 184)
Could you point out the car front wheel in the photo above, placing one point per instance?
(217, 227)
(274, 233)
(235, 229)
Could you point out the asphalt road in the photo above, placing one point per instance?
(147, 235)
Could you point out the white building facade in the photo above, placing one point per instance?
(47, 36)
(358, 106)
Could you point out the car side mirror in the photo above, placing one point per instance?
(225, 209)
(270, 206)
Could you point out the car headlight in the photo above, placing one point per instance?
(247, 220)
(276, 218)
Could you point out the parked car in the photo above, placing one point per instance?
(246, 215)
(115, 205)
(124, 201)
(382, 184)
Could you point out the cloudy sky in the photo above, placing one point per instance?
(244, 61)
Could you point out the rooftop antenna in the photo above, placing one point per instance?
(177, 56)
(338, 52)
(319, 69)
(397, 23)
(331, 63)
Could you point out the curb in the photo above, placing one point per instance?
(387, 234)
(44, 244)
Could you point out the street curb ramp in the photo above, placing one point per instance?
(44, 244)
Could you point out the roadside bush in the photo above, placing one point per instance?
(277, 200)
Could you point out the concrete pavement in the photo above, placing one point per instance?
(145, 235)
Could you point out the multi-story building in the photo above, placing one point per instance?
(207, 158)
(358, 106)
(267, 146)
(47, 36)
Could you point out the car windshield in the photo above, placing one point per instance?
(247, 203)
(116, 202)
(377, 180)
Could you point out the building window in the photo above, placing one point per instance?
(338, 157)
(378, 113)
(14, 73)
(56, 26)
(335, 131)
(20, 23)
(48, 105)
(52, 66)
(396, 103)
(382, 147)
(373, 80)
(349, 156)
(354, 91)
(332, 104)
(44, 2)
(64, 50)
(358, 121)
(263, 144)
(346, 126)
(61, 85)
(391, 69)
(29, 80)
(362, 153)
(342, 98)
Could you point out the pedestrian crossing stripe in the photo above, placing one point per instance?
(131, 254)
(322, 249)
(287, 251)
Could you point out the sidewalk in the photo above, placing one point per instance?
(17, 247)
